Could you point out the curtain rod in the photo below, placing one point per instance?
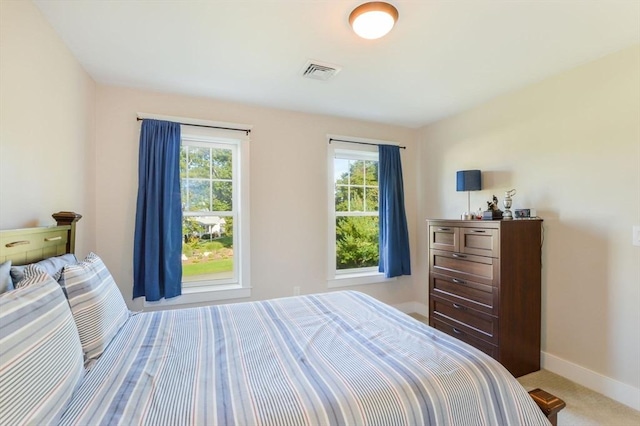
(203, 125)
(362, 143)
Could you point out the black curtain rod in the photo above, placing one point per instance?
(204, 125)
(362, 143)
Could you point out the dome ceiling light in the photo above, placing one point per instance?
(373, 20)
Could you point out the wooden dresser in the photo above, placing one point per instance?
(484, 287)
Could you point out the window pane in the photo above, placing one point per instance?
(371, 199)
(356, 169)
(371, 173)
(341, 171)
(356, 198)
(207, 249)
(356, 242)
(196, 195)
(222, 196)
(342, 198)
(199, 165)
(221, 159)
(183, 162)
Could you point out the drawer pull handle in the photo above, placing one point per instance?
(461, 256)
(455, 330)
(462, 308)
(17, 243)
(53, 238)
(457, 281)
(444, 229)
(479, 231)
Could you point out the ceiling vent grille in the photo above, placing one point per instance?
(319, 71)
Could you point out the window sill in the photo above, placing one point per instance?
(203, 294)
(348, 280)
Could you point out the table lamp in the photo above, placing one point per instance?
(468, 180)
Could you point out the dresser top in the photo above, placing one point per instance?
(484, 223)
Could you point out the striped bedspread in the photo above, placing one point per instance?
(332, 359)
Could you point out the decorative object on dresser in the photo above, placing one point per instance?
(493, 212)
(507, 204)
(484, 287)
(468, 180)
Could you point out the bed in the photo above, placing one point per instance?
(339, 358)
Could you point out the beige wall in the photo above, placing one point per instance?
(288, 187)
(47, 111)
(570, 145)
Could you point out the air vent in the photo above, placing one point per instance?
(319, 71)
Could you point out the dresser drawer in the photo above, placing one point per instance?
(456, 332)
(444, 238)
(464, 266)
(478, 296)
(479, 241)
(474, 323)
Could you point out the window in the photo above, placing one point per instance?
(208, 185)
(353, 208)
(214, 190)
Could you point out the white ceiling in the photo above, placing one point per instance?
(441, 58)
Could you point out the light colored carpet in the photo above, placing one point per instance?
(584, 406)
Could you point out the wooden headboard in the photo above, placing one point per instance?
(28, 245)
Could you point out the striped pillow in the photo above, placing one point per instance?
(96, 303)
(40, 354)
(33, 274)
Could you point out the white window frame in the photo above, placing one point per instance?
(240, 287)
(350, 277)
(233, 145)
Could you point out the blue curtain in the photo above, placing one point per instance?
(394, 235)
(157, 260)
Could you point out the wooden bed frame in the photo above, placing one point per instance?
(28, 245)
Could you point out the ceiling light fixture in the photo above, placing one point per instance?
(373, 20)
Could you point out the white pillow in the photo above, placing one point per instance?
(41, 360)
(96, 303)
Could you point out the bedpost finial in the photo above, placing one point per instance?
(66, 218)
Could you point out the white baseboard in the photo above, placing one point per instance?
(618, 391)
(413, 307)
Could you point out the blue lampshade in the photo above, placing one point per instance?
(468, 180)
